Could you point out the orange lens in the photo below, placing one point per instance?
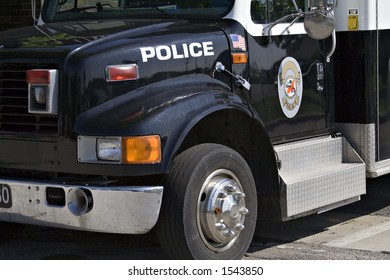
(142, 149)
(239, 58)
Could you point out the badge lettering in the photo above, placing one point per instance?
(165, 52)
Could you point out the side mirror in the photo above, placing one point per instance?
(319, 23)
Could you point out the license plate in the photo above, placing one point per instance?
(5, 196)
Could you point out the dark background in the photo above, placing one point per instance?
(15, 13)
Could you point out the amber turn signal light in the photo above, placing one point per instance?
(142, 149)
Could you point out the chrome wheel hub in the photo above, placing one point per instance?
(221, 210)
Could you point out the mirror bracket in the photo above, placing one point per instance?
(319, 21)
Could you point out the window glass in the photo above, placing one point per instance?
(264, 11)
(60, 10)
(259, 11)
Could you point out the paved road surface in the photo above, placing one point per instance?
(357, 231)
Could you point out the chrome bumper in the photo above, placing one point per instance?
(112, 209)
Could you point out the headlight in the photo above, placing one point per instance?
(120, 150)
(109, 149)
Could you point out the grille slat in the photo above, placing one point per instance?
(14, 116)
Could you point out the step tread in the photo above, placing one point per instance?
(315, 154)
(305, 143)
(304, 175)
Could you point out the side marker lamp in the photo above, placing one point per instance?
(239, 58)
(118, 73)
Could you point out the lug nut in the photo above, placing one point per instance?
(229, 233)
(222, 195)
(244, 211)
(239, 195)
(220, 226)
(230, 188)
(239, 227)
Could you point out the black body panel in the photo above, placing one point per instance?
(363, 95)
(384, 94)
(356, 89)
(314, 116)
(174, 90)
(170, 95)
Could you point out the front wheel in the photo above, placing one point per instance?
(209, 209)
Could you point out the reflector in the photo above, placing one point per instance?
(116, 73)
(239, 58)
(38, 76)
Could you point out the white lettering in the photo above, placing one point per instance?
(194, 53)
(147, 52)
(185, 50)
(4, 195)
(175, 53)
(208, 48)
(164, 52)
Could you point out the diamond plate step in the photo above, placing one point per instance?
(319, 174)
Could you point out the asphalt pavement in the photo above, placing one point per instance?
(359, 231)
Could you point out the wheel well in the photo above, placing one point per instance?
(245, 135)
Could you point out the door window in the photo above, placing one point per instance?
(264, 11)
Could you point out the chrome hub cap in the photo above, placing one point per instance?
(221, 210)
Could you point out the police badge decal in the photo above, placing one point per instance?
(290, 86)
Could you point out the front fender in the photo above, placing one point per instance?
(169, 108)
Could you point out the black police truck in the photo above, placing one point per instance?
(200, 119)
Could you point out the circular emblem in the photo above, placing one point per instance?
(290, 86)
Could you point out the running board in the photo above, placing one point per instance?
(318, 175)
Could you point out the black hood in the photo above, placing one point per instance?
(67, 36)
(83, 50)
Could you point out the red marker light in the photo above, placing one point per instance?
(42, 91)
(38, 77)
(117, 73)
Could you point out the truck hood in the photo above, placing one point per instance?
(67, 36)
(161, 50)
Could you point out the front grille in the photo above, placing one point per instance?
(14, 116)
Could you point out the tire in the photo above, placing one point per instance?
(209, 206)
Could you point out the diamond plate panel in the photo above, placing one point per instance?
(362, 138)
(318, 173)
(310, 155)
(327, 189)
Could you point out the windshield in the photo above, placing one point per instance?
(62, 10)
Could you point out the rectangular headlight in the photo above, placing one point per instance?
(109, 149)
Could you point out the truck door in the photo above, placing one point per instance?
(288, 74)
